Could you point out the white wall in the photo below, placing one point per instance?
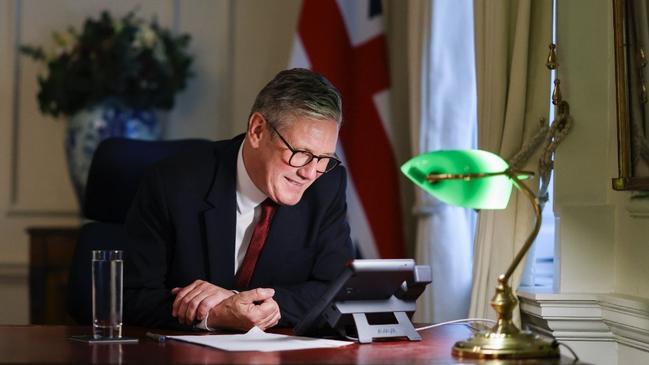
(584, 162)
(632, 246)
(604, 247)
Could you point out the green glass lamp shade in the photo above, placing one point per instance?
(477, 192)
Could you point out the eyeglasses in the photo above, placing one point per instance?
(301, 158)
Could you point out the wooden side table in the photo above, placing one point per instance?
(50, 256)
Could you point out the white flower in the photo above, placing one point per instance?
(145, 38)
(65, 42)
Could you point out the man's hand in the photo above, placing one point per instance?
(194, 301)
(247, 309)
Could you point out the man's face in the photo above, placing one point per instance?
(269, 157)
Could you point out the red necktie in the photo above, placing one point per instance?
(259, 234)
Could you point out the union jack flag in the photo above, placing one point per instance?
(345, 41)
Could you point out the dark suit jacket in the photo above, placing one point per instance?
(181, 228)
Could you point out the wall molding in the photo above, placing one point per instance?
(12, 272)
(618, 318)
(14, 212)
(628, 318)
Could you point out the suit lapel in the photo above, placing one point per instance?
(220, 218)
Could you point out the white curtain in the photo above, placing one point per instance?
(443, 116)
(511, 43)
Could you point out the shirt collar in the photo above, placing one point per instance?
(248, 195)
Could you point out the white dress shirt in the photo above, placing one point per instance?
(249, 198)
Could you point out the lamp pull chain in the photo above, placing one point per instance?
(552, 63)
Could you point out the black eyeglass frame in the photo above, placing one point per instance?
(333, 160)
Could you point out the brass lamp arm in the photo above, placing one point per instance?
(505, 339)
(537, 226)
(433, 178)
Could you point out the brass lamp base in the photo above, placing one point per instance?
(504, 340)
(491, 345)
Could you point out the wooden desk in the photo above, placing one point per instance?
(49, 344)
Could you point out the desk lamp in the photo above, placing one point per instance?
(483, 180)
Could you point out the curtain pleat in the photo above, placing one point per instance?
(511, 39)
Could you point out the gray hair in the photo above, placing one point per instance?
(298, 92)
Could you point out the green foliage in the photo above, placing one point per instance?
(137, 62)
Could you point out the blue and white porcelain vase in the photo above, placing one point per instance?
(87, 128)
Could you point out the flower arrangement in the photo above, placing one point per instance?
(136, 62)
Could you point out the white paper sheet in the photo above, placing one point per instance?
(258, 340)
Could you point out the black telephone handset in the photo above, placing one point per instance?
(413, 287)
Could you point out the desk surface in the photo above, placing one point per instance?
(49, 344)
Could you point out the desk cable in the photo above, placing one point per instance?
(557, 343)
(468, 321)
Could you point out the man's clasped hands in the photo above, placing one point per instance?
(225, 308)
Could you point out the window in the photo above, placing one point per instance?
(539, 268)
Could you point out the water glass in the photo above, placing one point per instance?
(107, 276)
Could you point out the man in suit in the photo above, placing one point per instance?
(249, 231)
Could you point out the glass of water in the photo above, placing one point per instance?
(107, 276)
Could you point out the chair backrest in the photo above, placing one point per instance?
(116, 169)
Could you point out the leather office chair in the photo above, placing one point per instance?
(115, 172)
